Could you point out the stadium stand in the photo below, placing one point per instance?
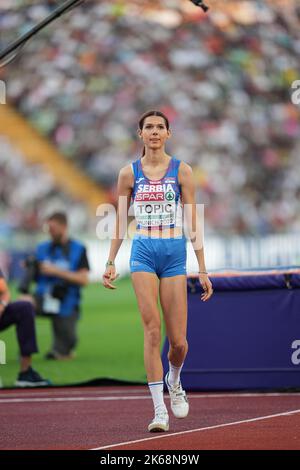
(99, 69)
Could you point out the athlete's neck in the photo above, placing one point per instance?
(155, 157)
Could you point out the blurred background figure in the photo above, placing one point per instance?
(60, 268)
(22, 315)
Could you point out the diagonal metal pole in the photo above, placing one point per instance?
(201, 4)
(18, 43)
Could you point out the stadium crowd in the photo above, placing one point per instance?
(223, 79)
(28, 195)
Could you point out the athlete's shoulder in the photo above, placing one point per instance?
(126, 171)
(126, 176)
(185, 174)
(185, 169)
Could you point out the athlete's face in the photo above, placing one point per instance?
(154, 133)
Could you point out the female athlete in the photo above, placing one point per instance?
(161, 188)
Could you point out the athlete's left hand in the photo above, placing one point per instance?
(207, 287)
(109, 276)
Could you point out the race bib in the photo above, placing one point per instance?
(155, 205)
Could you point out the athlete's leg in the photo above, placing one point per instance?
(173, 299)
(146, 289)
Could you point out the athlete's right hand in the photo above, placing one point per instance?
(109, 276)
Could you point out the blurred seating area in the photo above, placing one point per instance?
(28, 194)
(224, 79)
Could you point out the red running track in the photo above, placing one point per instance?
(117, 418)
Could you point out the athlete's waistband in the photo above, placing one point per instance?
(157, 236)
(160, 233)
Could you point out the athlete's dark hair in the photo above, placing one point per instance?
(152, 113)
(60, 217)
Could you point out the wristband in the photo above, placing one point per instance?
(202, 272)
(2, 302)
(110, 263)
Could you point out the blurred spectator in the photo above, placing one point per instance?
(21, 314)
(224, 79)
(61, 272)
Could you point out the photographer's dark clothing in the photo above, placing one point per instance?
(60, 297)
(22, 315)
(64, 333)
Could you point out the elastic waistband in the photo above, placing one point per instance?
(138, 236)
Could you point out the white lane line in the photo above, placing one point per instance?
(23, 399)
(252, 420)
(71, 399)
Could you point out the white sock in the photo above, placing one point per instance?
(174, 374)
(157, 393)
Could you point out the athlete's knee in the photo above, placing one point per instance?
(180, 345)
(153, 336)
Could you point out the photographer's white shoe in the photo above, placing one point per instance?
(179, 401)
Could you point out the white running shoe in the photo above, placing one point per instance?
(160, 422)
(179, 401)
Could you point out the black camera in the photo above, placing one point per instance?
(59, 290)
(30, 274)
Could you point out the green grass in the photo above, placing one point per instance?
(110, 341)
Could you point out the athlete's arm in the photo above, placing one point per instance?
(124, 191)
(188, 191)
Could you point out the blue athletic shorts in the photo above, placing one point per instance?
(165, 257)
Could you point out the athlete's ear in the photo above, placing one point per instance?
(169, 133)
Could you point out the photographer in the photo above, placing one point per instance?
(60, 270)
(22, 315)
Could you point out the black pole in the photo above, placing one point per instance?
(201, 4)
(68, 5)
